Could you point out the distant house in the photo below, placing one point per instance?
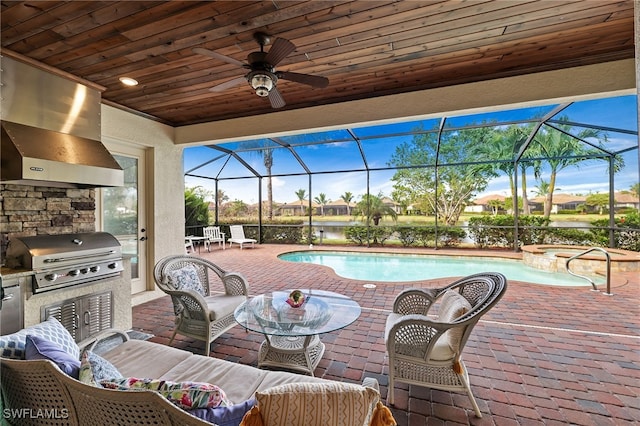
(338, 207)
(390, 203)
(297, 208)
(626, 200)
(560, 202)
(482, 204)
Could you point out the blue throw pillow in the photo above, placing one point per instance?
(12, 345)
(224, 416)
(37, 347)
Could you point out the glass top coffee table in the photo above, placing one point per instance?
(291, 333)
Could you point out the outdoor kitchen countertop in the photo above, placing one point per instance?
(15, 273)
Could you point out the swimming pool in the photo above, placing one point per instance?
(392, 267)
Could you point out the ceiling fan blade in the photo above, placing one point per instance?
(216, 55)
(279, 50)
(276, 98)
(228, 84)
(311, 80)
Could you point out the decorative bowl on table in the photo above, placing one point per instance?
(296, 299)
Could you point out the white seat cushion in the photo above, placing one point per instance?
(222, 305)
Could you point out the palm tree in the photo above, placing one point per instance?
(503, 145)
(267, 158)
(266, 152)
(544, 190)
(322, 200)
(301, 194)
(563, 150)
(372, 208)
(347, 197)
(221, 198)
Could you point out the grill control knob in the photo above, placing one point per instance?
(94, 268)
(84, 270)
(51, 277)
(113, 265)
(74, 273)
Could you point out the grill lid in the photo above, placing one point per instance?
(46, 252)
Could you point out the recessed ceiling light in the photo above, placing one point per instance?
(128, 81)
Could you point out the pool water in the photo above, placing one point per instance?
(391, 267)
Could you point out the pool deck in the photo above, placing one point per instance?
(544, 355)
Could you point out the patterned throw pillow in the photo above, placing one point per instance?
(94, 369)
(13, 345)
(317, 404)
(186, 395)
(39, 348)
(185, 278)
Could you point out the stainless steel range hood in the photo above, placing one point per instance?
(51, 130)
(33, 156)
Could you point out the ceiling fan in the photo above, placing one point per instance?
(262, 75)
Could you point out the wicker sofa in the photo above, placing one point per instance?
(34, 390)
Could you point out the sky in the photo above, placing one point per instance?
(589, 177)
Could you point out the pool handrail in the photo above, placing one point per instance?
(608, 270)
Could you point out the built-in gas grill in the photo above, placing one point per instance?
(65, 260)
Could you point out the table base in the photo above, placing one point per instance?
(301, 353)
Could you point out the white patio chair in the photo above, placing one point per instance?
(188, 245)
(427, 351)
(213, 235)
(237, 236)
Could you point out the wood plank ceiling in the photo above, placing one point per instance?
(364, 48)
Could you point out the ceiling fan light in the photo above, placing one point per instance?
(261, 83)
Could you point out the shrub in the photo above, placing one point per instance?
(449, 236)
(498, 231)
(361, 236)
(626, 232)
(407, 235)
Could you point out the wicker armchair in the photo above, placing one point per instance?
(199, 314)
(426, 351)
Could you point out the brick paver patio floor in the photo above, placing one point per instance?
(543, 355)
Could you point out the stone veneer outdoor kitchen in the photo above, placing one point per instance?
(32, 210)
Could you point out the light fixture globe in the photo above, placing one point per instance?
(262, 82)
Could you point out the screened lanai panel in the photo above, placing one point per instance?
(502, 143)
(281, 159)
(338, 187)
(316, 137)
(331, 157)
(386, 152)
(558, 141)
(286, 189)
(609, 140)
(233, 168)
(238, 196)
(460, 147)
(498, 117)
(574, 181)
(396, 128)
(248, 145)
(620, 112)
(203, 161)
